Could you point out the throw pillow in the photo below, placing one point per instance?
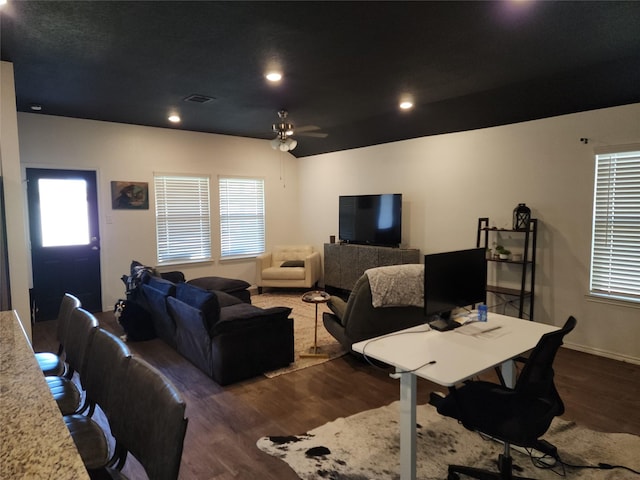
(205, 301)
(162, 285)
(293, 263)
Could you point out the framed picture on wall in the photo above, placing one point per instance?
(129, 195)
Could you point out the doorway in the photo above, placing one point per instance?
(65, 239)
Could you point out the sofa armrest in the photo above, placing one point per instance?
(263, 261)
(339, 308)
(312, 268)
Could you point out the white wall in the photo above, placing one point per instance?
(133, 153)
(13, 198)
(448, 181)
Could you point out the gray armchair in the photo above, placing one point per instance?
(357, 319)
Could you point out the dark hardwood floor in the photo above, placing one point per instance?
(225, 422)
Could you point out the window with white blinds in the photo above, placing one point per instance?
(241, 216)
(615, 257)
(183, 219)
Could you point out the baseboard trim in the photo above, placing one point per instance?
(603, 353)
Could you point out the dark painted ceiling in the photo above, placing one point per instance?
(346, 64)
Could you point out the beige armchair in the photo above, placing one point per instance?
(296, 266)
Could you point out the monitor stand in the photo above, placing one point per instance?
(443, 322)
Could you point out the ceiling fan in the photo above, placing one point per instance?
(285, 130)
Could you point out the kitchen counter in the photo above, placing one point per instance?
(34, 441)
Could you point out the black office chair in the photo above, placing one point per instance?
(518, 416)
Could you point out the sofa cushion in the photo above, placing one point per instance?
(277, 273)
(242, 315)
(225, 299)
(202, 300)
(293, 263)
(220, 283)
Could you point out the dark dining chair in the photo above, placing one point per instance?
(104, 371)
(516, 416)
(149, 423)
(53, 364)
(82, 326)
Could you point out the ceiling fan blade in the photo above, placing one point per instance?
(312, 134)
(306, 128)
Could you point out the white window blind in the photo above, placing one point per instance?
(241, 216)
(615, 258)
(183, 220)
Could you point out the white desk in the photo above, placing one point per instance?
(457, 357)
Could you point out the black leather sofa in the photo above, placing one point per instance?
(227, 338)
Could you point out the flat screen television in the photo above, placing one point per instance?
(371, 219)
(454, 280)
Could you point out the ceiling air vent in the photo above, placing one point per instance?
(195, 98)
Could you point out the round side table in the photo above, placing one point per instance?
(317, 297)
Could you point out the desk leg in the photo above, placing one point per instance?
(407, 426)
(508, 369)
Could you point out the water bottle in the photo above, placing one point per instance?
(482, 313)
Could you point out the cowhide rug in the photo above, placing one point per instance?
(366, 446)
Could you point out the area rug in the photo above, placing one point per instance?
(366, 446)
(303, 315)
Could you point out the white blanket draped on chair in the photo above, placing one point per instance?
(397, 285)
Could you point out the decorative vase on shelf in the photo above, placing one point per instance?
(521, 217)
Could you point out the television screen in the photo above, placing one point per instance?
(454, 280)
(371, 219)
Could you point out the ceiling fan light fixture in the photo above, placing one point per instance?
(283, 144)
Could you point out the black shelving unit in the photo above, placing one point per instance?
(527, 264)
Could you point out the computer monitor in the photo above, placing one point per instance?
(454, 280)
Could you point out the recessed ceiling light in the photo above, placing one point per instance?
(406, 105)
(274, 76)
(174, 118)
(35, 107)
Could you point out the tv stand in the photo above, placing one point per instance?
(344, 263)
